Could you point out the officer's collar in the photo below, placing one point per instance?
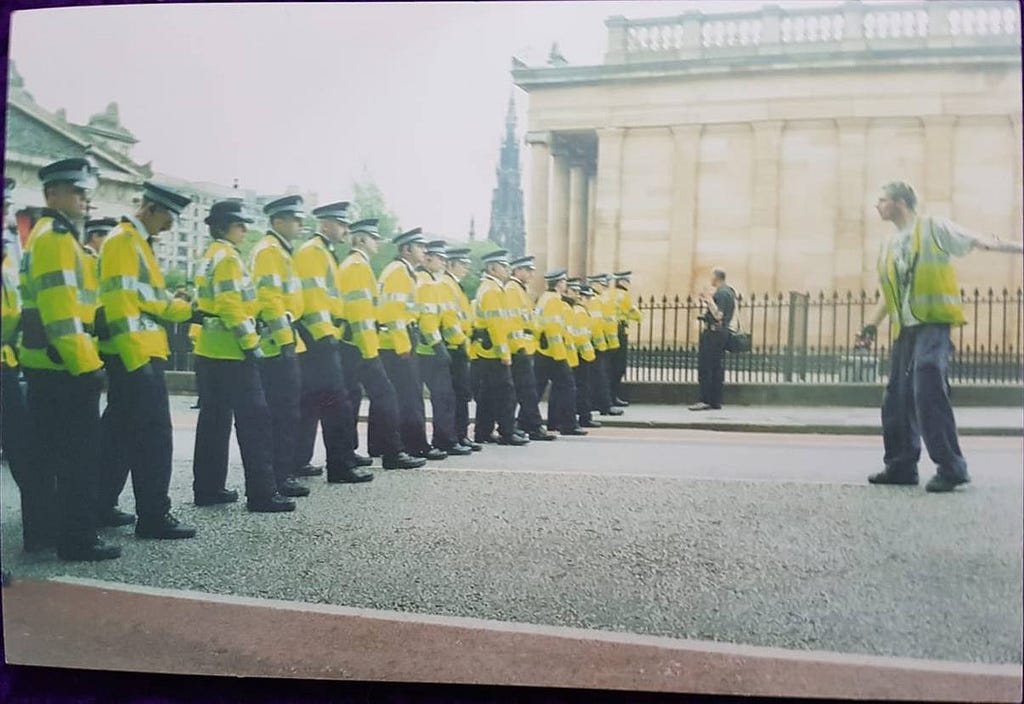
(408, 266)
(361, 253)
(454, 278)
(280, 238)
(139, 227)
(492, 278)
(512, 278)
(61, 220)
(90, 250)
(323, 238)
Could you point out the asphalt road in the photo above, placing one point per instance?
(760, 539)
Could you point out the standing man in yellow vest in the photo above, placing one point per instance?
(492, 356)
(601, 388)
(399, 334)
(133, 342)
(579, 331)
(62, 363)
(324, 392)
(922, 300)
(279, 295)
(457, 332)
(625, 313)
(552, 363)
(360, 349)
(523, 342)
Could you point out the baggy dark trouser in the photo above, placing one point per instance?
(583, 375)
(619, 359)
(382, 429)
(437, 375)
(38, 488)
(495, 398)
(711, 366)
(64, 413)
(136, 436)
(916, 404)
(282, 385)
(325, 399)
(525, 381)
(562, 399)
(232, 387)
(463, 389)
(600, 395)
(405, 377)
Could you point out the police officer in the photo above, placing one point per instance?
(552, 364)
(133, 342)
(324, 392)
(280, 303)
(579, 332)
(626, 312)
(399, 332)
(433, 359)
(360, 349)
(523, 344)
(601, 380)
(457, 312)
(492, 363)
(227, 347)
(61, 361)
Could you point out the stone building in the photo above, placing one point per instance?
(508, 229)
(758, 141)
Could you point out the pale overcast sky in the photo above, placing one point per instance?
(306, 94)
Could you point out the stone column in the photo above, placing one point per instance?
(1014, 235)
(591, 200)
(558, 212)
(848, 261)
(937, 191)
(577, 254)
(608, 198)
(762, 265)
(537, 217)
(682, 246)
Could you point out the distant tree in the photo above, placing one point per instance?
(251, 238)
(368, 202)
(174, 279)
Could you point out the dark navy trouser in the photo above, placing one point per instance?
(916, 403)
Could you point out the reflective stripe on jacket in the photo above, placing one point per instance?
(358, 287)
(522, 324)
(278, 292)
(317, 270)
(490, 313)
(226, 297)
(397, 306)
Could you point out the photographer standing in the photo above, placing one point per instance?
(716, 316)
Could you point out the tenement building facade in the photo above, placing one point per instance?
(758, 141)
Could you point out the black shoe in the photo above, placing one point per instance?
(542, 435)
(591, 424)
(491, 439)
(514, 440)
(309, 470)
(114, 517)
(458, 450)
(403, 460)
(273, 504)
(521, 433)
(221, 496)
(942, 483)
(90, 552)
(887, 476)
(620, 402)
(573, 431)
(434, 453)
(166, 527)
(613, 411)
(362, 460)
(349, 475)
(474, 446)
(290, 487)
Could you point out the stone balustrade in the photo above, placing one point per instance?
(847, 28)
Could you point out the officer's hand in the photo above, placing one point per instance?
(182, 294)
(97, 379)
(331, 341)
(404, 355)
(251, 355)
(288, 350)
(506, 362)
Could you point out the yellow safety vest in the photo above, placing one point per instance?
(358, 287)
(552, 325)
(448, 304)
(611, 323)
(397, 306)
(490, 321)
(459, 303)
(317, 270)
(279, 294)
(597, 335)
(581, 332)
(227, 300)
(521, 317)
(625, 310)
(428, 305)
(11, 312)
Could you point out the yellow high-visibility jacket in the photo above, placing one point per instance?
(278, 292)
(358, 287)
(428, 303)
(11, 313)
(226, 298)
(581, 332)
(317, 270)
(597, 324)
(490, 315)
(551, 325)
(625, 310)
(521, 316)
(611, 321)
(134, 297)
(397, 306)
(55, 302)
(455, 330)
(91, 279)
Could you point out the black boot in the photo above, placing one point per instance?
(309, 470)
(221, 496)
(272, 504)
(348, 475)
(165, 527)
(290, 487)
(88, 552)
(114, 517)
(403, 461)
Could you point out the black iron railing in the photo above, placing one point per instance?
(797, 337)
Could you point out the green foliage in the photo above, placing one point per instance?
(368, 202)
(251, 238)
(174, 279)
